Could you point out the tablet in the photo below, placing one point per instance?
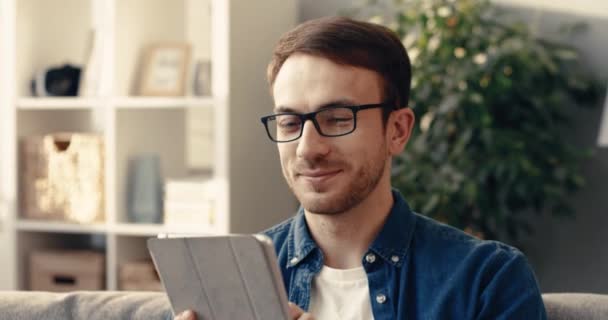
(221, 277)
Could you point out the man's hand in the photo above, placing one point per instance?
(186, 315)
(295, 313)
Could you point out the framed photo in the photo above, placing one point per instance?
(164, 69)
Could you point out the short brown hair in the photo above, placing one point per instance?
(350, 42)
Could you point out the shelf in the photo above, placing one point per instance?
(76, 103)
(141, 229)
(56, 103)
(162, 102)
(59, 227)
(138, 229)
(123, 229)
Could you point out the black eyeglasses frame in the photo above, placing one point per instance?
(312, 117)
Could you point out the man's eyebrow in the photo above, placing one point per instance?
(282, 109)
(335, 103)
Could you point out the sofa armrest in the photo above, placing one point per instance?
(576, 306)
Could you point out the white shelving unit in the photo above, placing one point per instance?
(28, 103)
(59, 227)
(237, 36)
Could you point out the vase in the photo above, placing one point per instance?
(145, 199)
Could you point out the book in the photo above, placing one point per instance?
(192, 189)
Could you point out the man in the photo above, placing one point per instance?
(355, 250)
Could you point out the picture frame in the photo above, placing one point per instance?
(163, 69)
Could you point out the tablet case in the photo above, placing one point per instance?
(221, 277)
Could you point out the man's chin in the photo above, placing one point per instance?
(321, 202)
(312, 192)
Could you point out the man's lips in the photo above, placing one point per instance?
(318, 175)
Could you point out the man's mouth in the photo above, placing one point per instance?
(317, 176)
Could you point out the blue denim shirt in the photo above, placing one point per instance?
(418, 268)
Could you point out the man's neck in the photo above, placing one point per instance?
(344, 238)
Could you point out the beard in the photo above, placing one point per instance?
(353, 184)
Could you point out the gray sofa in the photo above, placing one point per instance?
(90, 305)
(144, 305)
(576, 306)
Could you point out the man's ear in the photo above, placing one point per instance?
(399, 129)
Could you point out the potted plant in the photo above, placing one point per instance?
(492, 102)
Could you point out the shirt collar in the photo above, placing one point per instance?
(392, 243)
(300, 243)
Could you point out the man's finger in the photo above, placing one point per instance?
(186, 315)
(294, 311)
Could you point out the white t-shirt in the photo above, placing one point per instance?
(340, 294)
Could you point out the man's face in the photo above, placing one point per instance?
(330, 175)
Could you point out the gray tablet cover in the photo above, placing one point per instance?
(223, 277)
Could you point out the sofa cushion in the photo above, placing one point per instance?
(94, 305)
(98, 305)
(576, 306)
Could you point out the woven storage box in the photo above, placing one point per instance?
(63, 177)
(63, 270)
(139, 276)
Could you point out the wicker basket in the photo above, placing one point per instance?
(63, 177)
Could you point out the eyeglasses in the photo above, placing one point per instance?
(329, 122)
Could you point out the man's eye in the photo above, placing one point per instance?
(338, 121)
(289, 124)
(342, 119)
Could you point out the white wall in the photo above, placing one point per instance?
(598, 8)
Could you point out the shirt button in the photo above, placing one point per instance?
(370, 258)
(380, 298)
(395, 259)
(294, 260)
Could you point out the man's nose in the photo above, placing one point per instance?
(312, 144)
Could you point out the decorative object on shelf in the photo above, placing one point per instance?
(145, 195)
(191, 202)
(89, 80)
(494, 101)
(603, 137)
(56, 81)
(164, 70)
(139, 276)
(63, 177)
(200, 137)
(66, 270)
(201, 85)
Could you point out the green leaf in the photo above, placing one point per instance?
(431, 204)
(565, 54)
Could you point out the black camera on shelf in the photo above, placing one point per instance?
(57, 81)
